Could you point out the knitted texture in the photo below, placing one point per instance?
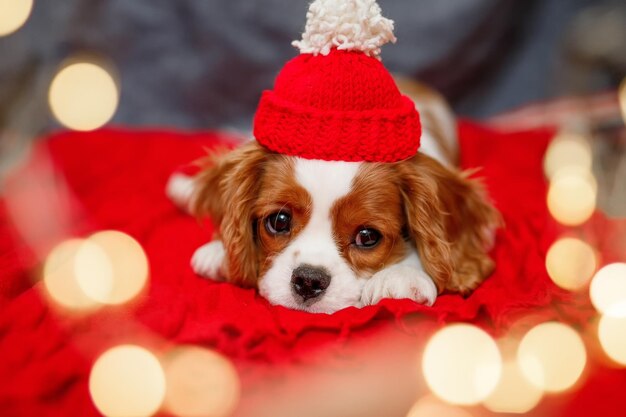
(343, 106)
(351, 25)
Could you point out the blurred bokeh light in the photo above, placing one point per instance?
(13, 15)
(461, 364)
(622, 98)
(59, 276)
(111, 267)
(608, 290)
(83, 96)
(127, 380)
(200, 382)
(612, 336)
(572, 196)
(94, 271)
(570, 263)
(514, 393)
(430, 406)
(552, 356)
(567, 150)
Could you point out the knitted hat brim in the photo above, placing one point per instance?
(377, 135)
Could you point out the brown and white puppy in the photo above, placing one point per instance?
(320, 236)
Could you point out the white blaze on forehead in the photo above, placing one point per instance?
(325, 181)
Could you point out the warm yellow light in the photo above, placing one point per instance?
(83, 96)
(111, 267)
(568, 150)
(513, 394)
(431, 407)
(570, 263)
(94, 272)
(127, 380)
(13, 15)
(200, 382)
(622, 98)
(608, 290)
(552, 356)
(461, 364)
(612, 335)
(59, 278)
(572, 196)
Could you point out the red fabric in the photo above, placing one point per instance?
(344, 106)
(76, 183)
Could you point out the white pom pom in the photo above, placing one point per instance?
(351, 25)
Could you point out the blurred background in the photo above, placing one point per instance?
(201, 65)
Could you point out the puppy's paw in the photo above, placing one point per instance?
(207, 260)
(400, 281)
(180, 189)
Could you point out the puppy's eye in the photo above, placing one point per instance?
(278, 223)
(367, 238)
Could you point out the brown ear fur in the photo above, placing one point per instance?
(225, 190)
(451, 221)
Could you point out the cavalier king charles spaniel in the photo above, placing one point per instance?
(321, 236)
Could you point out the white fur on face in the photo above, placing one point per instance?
(326, 182)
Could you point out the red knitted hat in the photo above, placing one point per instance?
(336, 101)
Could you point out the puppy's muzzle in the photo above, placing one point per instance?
(309, 282)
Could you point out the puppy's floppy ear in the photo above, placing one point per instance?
(451, 221)
(225, 190)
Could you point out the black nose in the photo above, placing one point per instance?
(309, 282)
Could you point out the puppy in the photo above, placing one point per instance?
(320, 235)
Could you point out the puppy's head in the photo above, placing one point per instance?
(309, 233)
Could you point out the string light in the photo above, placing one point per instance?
(612, 336)
(94, 271)
(431, 407)
(622, 98)
(608, 290)
(570, 263)
(552, 356)
(83, 96)
(572, 196)
(127, 380)
(567, 151)
(461, 364)
(514, 393)
(200, 382)
(111, 267)
(59, 277)
(13, 15)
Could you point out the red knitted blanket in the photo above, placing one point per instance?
(73, 184)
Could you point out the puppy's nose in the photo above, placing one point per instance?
(309, 282)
